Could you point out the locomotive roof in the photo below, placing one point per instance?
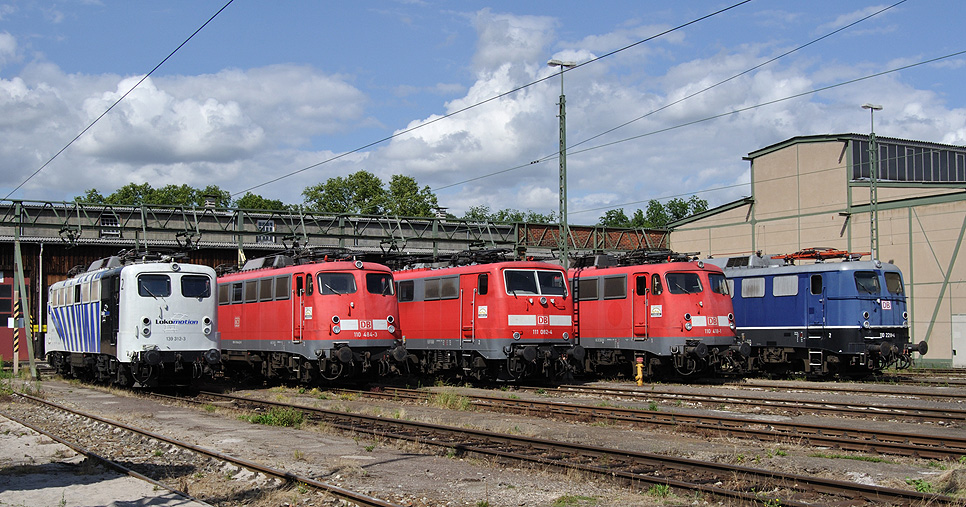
(760, 265)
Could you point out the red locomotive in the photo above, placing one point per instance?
(658, 314)
(502, 320)
(306, 318)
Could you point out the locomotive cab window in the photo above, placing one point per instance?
(683, 283)
(520, 282)
(483, 284)
(656, 287)
(379, 283)
(552, 283)
(719, 284)
(154, 286)
(195, 286)
(641, 287)
(893, 283)
(816, 285)
(866, 282)
(336, 283)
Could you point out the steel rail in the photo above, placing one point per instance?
(878, 441)
(894, 411)
(358, 498)
(636, 467)
(107, 461)
(954, 393)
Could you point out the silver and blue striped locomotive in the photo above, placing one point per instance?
(134, 319)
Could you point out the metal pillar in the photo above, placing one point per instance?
(873, 188)
(564, 240)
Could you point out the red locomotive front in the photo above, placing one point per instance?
(310, 321)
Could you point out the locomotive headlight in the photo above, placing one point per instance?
(687, 325)
(687, 316)
(175, 266)
(390, 319)
(336, 329)
(905, 315)
(865, 315)
(391, 329)
(516, 335)
(358, 264)
(543, 300)
(146, 321)
(866, 324)
(731, 317)
(335, 319)
(145, 331)
(566, 335)
(206, 330)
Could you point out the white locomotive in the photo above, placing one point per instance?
(132, 319)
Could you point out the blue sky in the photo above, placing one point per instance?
(271, 89)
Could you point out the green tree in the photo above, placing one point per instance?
(133, 194)
(614, 218)
(405, 198)
(254, 201)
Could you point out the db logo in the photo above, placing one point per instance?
(365, 324)
(543, 320)
(712, 321)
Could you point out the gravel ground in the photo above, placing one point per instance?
(420, 476)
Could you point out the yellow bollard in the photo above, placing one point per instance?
(640, 371)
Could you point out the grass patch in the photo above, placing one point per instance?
(450, 401)
(572, 500)
(288, 417)
(871, 459)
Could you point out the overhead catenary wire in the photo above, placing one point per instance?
(118, 101)
(486, 101)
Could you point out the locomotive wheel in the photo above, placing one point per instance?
(123, 377)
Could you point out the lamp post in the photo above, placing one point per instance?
(873, 176)
(564, 226)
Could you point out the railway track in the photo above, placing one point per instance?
(823, 435)
(943, 392)
(892, 411)
(634, 468)
(105, 428)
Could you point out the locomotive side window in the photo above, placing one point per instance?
(893, 283)
(656, 287)
(785, 285)
(753, 288)
(379, 283)
(867, 282)
(817, 286)
(407, 290)
(683, 283)
(615, 287)
(85, 292)
(552, 283)
(195, 286)
(641, 288)
(719, 284)
(154, 286)
(336, 283)
(236, 292)
(224, 293)
(265, 289)
(483, 283)
(308, 286)
(431, 289)
(283, 286)
(96, 290)
(77, 294)
(251, 291)
(449, 288)
(587, 289)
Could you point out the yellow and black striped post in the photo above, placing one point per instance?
(16, 333)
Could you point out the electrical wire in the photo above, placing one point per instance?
(486, 101)
(118, 101)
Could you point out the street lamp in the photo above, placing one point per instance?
(873, 190)
(564, 226)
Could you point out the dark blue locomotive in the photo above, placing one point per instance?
(844, 318)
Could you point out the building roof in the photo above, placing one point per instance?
(824, 138)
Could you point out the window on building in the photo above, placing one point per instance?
(110, 226)
(265, 226)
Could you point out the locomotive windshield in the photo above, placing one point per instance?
(866, 282)
(683, 283)
(336, 283)
(719, 284)
(547, 283)
(379, 283)
(893, 282)
(195, 286)
(154, 286)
